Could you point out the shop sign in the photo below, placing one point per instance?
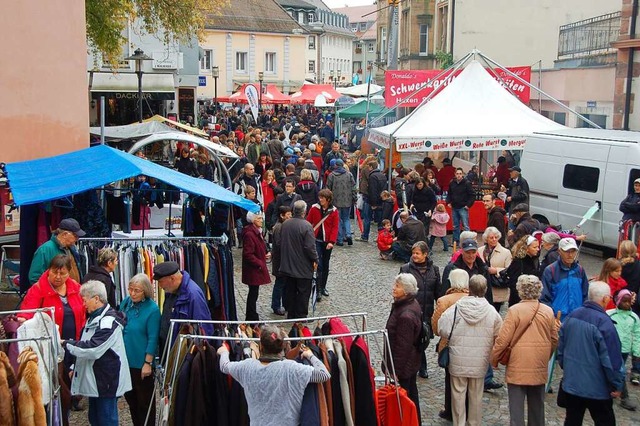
(399, 84)
(462, 144)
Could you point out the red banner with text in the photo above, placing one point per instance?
(399, 84)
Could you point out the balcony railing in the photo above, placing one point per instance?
(591, 36)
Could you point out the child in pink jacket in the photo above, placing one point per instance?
(438, 227)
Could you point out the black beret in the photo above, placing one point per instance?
(165, 269)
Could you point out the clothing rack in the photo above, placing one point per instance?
(54, 393)
(222, 239)
(283, 321)
(390, 370)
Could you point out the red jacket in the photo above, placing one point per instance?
(329, 227)
(444, 177)
(42, 295)
(385, 239)
(615, 286)
(503, 174)
(254, 260)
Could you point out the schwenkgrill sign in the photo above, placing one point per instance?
(401, 83)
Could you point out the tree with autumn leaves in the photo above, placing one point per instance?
(180, 20)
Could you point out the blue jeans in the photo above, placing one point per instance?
(460, 215)
(432, 239)
(277, 294)
(400, 252)
(366, 214)
(103, 411)
(344, 230)
(488, 378)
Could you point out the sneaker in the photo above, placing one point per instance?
(492, 385)
(364, 240)
(635, 379)
(627, 404)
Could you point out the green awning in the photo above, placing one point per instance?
(359, 110)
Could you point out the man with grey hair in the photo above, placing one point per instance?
(471, 326)
(101, 370)
(298, 260)
(589, 353)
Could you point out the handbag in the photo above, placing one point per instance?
(506, 354)
(443, 355)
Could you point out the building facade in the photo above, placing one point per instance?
(43, 84)
(329, 52)
(362, 22)
(626, 105)
(511, 32)
(247, 38)
(169, 80)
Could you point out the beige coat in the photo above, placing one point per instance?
(476, 327)
(530, 356)
(449, 299)
(500, 259)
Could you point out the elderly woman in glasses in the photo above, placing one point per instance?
(140, 342)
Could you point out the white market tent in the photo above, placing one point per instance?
(360, 90)
(473, 112)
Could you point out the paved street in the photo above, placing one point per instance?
(360, 282)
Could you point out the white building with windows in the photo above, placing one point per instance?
(329, 53)
(249, 39)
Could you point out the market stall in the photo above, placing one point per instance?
(56, 178)
(472, 112)
(309, 92)
(270, 96)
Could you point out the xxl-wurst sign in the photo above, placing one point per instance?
(399, 84)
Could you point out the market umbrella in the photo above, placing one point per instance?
(270, 96)
(309, 92)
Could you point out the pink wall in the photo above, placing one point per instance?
(43, 79)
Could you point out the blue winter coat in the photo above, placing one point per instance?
(191, 304)
(564, 289)
(589, 353)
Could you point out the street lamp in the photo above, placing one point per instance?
(260, 79)
(139, 56)
(331, 77)
(215, 73)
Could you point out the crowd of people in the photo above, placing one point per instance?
(310, 188)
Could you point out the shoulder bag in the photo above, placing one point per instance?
(506, 354)
(443, 355)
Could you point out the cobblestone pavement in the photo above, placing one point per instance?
(360, 282)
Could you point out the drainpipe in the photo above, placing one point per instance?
(627, 95)
(453, 20)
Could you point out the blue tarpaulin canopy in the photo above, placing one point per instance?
(56, 177)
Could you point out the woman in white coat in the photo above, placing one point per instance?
(471, 325)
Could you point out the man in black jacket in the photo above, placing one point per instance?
(524, 224)
(298, 260)
(518, 191)
(496, 215)
(460, 198)
(630, 206)
(411, 232)
(288, 198)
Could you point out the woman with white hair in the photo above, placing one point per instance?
(530, 333)
(459, 279)
(404, 326)
(254, 262)
(497, 258)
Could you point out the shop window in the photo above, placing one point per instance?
(581, 178)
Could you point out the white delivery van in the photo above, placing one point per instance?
(570, 170)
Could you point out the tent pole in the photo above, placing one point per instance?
(540, 91)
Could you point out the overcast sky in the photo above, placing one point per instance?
(343, 3)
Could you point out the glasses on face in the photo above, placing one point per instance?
(134, 290)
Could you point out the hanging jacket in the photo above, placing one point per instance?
(30, 406)
(101, 368)
(7, 381)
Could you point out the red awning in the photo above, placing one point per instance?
(271, 95)
(308, 93)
